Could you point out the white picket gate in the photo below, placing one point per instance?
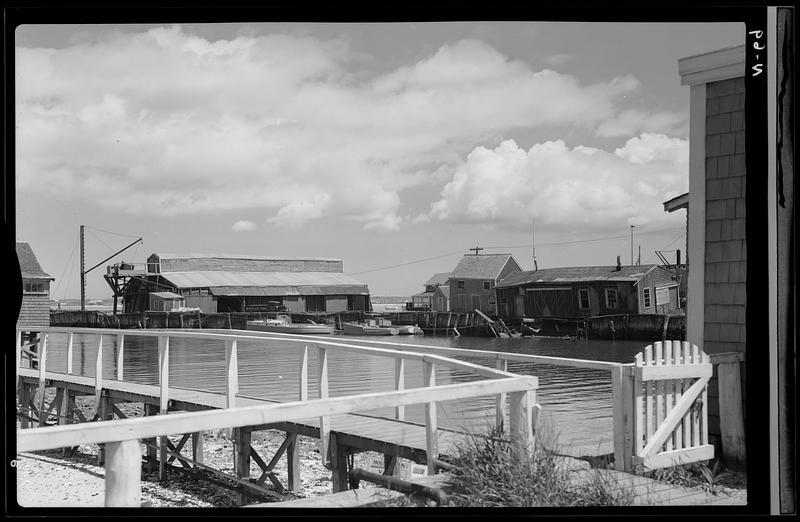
(670, 406)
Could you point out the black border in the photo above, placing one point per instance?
(754, 17)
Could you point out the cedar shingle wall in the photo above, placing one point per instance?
(35, 311)
(726, 256)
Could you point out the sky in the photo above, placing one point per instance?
(395, 147)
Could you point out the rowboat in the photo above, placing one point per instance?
(284, 325)
(365, 329)
(409, 330)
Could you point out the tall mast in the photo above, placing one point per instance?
(533, 234)
(83, 274)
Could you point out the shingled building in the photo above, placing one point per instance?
(35, 309)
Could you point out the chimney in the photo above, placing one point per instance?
(678, 262)
(619, 264)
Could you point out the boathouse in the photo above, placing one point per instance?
(239, 283)
(35, 309)
(473, 281)
(436, 297)
(585, 291)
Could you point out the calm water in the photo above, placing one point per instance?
(576, 403)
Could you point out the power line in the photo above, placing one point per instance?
(109, 232)
(66, 267)
(406, 264)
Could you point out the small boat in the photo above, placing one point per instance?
(367, 329)
(284, 325)
(409, 330)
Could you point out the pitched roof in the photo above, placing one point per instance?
(28, 264)
(484, 266)
(242, 256)
(438, 279)
(576, 274)
(268, 283)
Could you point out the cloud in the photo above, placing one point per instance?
(163, 122)
(565, 188)
(243, 226)
(630, 122)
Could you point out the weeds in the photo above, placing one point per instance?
(696, 474)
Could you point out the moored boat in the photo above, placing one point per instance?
(284, 325)
(366, 329)
(409, 330)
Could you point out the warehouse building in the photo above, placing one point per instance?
(35, 309)
(238, 283)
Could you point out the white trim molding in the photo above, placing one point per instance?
(713, 66)
(696, 237)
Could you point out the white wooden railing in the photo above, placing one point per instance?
(121, 436)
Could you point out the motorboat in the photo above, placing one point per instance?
(284, 325)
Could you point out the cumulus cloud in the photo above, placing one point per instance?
(165, 122)
(243, 226)
(566, 188)
(632, 121)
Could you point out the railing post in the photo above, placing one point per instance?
(500, 410)
(123, 474)
(520, 420)
(431, 434)
(120, 355)
(42, 381)
(18, 357)
(400, 384)
(98, 370)
(618, 401)
(69, 352)
(638, 414)
(232, 370)
(324, 421)
(303, 391)
(163, 382)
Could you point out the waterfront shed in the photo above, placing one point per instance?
(473, 280)
(242, 283)
(571, 292)
(434, 298)
(35, 309)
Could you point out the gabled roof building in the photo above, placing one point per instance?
(35, 308)
(474, 278)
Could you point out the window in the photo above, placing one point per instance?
(646, 297)
(583, 295)
(461, 285)
(611, 298)
(34, 288)
(487, 285)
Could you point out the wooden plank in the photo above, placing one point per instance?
(163, 372)
(695, 414)
(242, 437)
(672, 372)
(658, 386)
(431, 435)
(399, 385)
(639, 405)
(69, 352)
(42, 381)
(628, 415)
(232, 371)
(685, 427)
(520, 419)
(98, 368)
(293, 463)
(675, 417)
(704, 412)
(18, 351)
(123, 474)
(500, 402)
(677, 457)
(669, 391)
(197, 447)
(120, 356)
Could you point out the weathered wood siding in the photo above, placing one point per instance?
(656, 278)
(336, 303)
(35, 310)
(244, 264)
(472, 287)
(205, 303)
(726, 253)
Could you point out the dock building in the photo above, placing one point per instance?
(243, 283)
(473, 280)
(35, 309)
(587, 291)
(436, 297)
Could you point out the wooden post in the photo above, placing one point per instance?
(69, 353)
(431, 434)
(303, 391)
(400, 384)
(241, 457)
(618, 400)
(163, 399)
(338, 465)
(500, 408)
(197, 446)
(520, 419)
(42, 381)
(232, 369)
(149, 411)
(731, 421)
(638, 412)
(293, 463)
(98, 371)
(18, 358)
(120, 355)
(24, 399)
(123, 474)
(324, 421)
(628, 416)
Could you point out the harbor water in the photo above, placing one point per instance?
(576, 403)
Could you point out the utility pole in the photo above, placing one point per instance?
(535, 264)
(476, 249)
(83, 274)
(632, 244)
